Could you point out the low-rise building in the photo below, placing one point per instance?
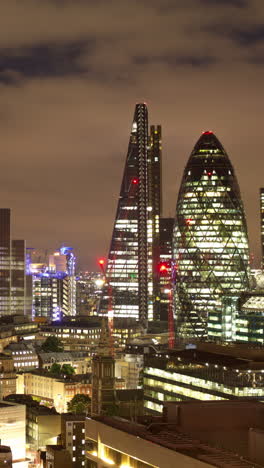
(53, 390)
(75, 335)
(13, 431)
(16, 327)
(7, 376)
(24, 355)
(195, 374)
(78, 360)
(57, 457)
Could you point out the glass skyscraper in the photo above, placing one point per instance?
(210, 243)
(129, 269)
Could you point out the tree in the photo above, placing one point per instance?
(67, 369)
(52, 345)
(55, 369)
(80, 403)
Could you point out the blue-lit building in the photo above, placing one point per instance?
(54, 286)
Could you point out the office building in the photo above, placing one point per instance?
(165, 276)
(12, 268)
(201, 374)
(130, 260)
(262, 223)
(155, 206)
(210, 244)
(23, 354)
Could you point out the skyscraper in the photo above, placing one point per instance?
(129, 268)
(12, 269)
(155, 209)
(262, 224)
(210, 245)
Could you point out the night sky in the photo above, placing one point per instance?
(71, 72)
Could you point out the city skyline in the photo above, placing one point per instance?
(67, 93)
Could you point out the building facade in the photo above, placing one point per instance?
(199, 375)
(210, 244)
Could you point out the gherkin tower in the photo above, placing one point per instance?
(210, 242)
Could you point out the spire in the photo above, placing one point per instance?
(104, 345)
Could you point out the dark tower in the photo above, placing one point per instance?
(155, 205)
(103, 375)
(210, 245)
(127, 267)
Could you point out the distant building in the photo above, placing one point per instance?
(201, 374)
(7, 376)
(23, 354)
(53, 286)
(165, 281)
(12, 266)
(78, 360)
(75, 335)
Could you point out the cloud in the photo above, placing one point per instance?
(70, 75)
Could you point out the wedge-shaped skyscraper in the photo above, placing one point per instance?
(210, 243)
(129, 289)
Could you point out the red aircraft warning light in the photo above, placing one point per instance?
(135, 181)
(101, 261)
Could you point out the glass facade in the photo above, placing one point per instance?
(210, 243)
(129, 269)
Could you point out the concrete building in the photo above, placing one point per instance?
(13, 431)
(57, 457)
(53, 390)
(5, 457)
(73, 437)
(129, 368)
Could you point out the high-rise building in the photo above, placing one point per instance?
(262, 224)
(129, 268)
(12, 269)
(155, 207)
(210, 245)
(165, 256)
(53, 285)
